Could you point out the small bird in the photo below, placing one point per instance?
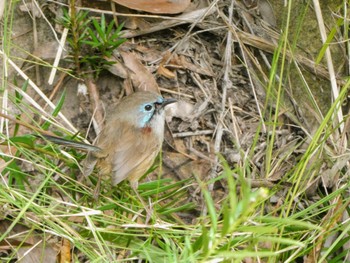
(130, 140)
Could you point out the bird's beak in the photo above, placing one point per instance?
(167, 101)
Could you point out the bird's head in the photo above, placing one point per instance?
(145, 110)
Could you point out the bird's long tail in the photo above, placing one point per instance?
(70, 143)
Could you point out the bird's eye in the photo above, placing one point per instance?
(148, 107)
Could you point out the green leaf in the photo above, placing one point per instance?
(110, 28)
(18, 96)
(98, 28)
(330, 37)
(16, 177)
(211, 208)
(18, 100)
(55, 112)
(103, 24)
(27, 140)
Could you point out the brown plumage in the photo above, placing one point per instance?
(130, 140)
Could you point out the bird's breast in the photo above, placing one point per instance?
(147, 130)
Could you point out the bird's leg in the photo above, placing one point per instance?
(98, 186)
(101, 172)
(134, 185)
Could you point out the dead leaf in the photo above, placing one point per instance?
(28, 245)
(181, 109)
(39, 253)
(141, 78)
(65, 255)
(128, 86)
(266, 11)
(162, 71)
(185, 168)
(330, 176)
(136, 22)
(185, 18)
(175, 61)
(148, 54)
(156, 6)
(117, 69)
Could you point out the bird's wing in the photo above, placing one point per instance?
(126, 153)
(133, 155)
